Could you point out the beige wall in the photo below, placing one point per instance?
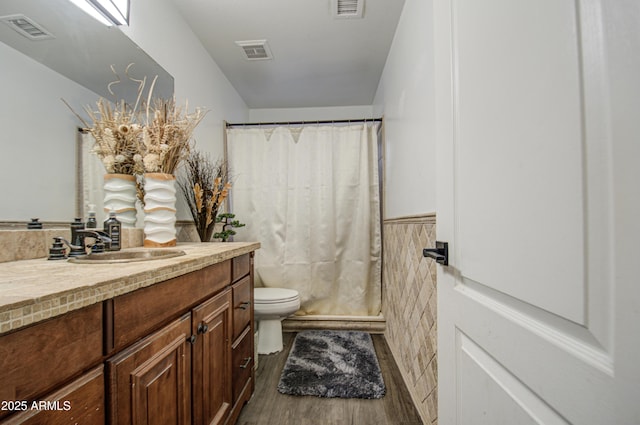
(409, 306)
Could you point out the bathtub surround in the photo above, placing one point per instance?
(332, 364)
(370, 324)
(310, 195)
(409, 288)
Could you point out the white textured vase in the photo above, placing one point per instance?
(120, 196)
(160, 210)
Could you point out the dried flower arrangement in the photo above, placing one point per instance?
(116, 130)
(127, 145)
(166, 137)
(117, 137)
(205, 186)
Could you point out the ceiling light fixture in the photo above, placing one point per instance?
(108, 12)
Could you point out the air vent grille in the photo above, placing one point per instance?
(27, 27)
(255, 49)
(347, 8)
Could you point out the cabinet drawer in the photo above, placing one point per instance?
(136, 314)
(242, 305)
(37, 359)
(241, 266)
(242, 362)
(81, 402)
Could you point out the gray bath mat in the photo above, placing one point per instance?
(332, 364)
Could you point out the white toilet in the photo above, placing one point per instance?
(271, 307)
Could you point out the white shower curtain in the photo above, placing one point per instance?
(310, 196)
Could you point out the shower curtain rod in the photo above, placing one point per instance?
(364, 120)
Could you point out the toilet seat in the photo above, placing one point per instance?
(274, 295)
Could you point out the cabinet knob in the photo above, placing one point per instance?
(203, 328)
(192, 339)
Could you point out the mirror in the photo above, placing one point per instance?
(83, 51)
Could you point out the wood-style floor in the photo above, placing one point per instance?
(269, 407)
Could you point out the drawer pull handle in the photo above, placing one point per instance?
(247, 360)
(245, 305)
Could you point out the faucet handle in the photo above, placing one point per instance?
(75, 250)
(57, 250)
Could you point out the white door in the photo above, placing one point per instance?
(538, 197)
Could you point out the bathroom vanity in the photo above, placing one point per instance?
(128, 343)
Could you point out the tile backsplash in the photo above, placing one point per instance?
(409, 306)
(19, 243)
(23, 244)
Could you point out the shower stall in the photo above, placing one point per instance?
(310, 193)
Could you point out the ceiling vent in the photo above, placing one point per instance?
(27, 27)
(255, 50)
(347, 8)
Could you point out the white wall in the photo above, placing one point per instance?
(158, 28)
(38, 140)
(37, 157)
(405, 97)
(311, 114)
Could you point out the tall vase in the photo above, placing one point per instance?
(120, 196)
(160, 210)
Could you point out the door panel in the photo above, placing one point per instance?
(519, 150)
(525, 308)
(490, 393)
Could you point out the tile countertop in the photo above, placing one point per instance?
(35, 290)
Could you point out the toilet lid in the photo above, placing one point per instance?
(273, 295)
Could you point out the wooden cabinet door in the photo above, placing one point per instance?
(35, 360)
(80, 402)
(150, 382)
(212, 360)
